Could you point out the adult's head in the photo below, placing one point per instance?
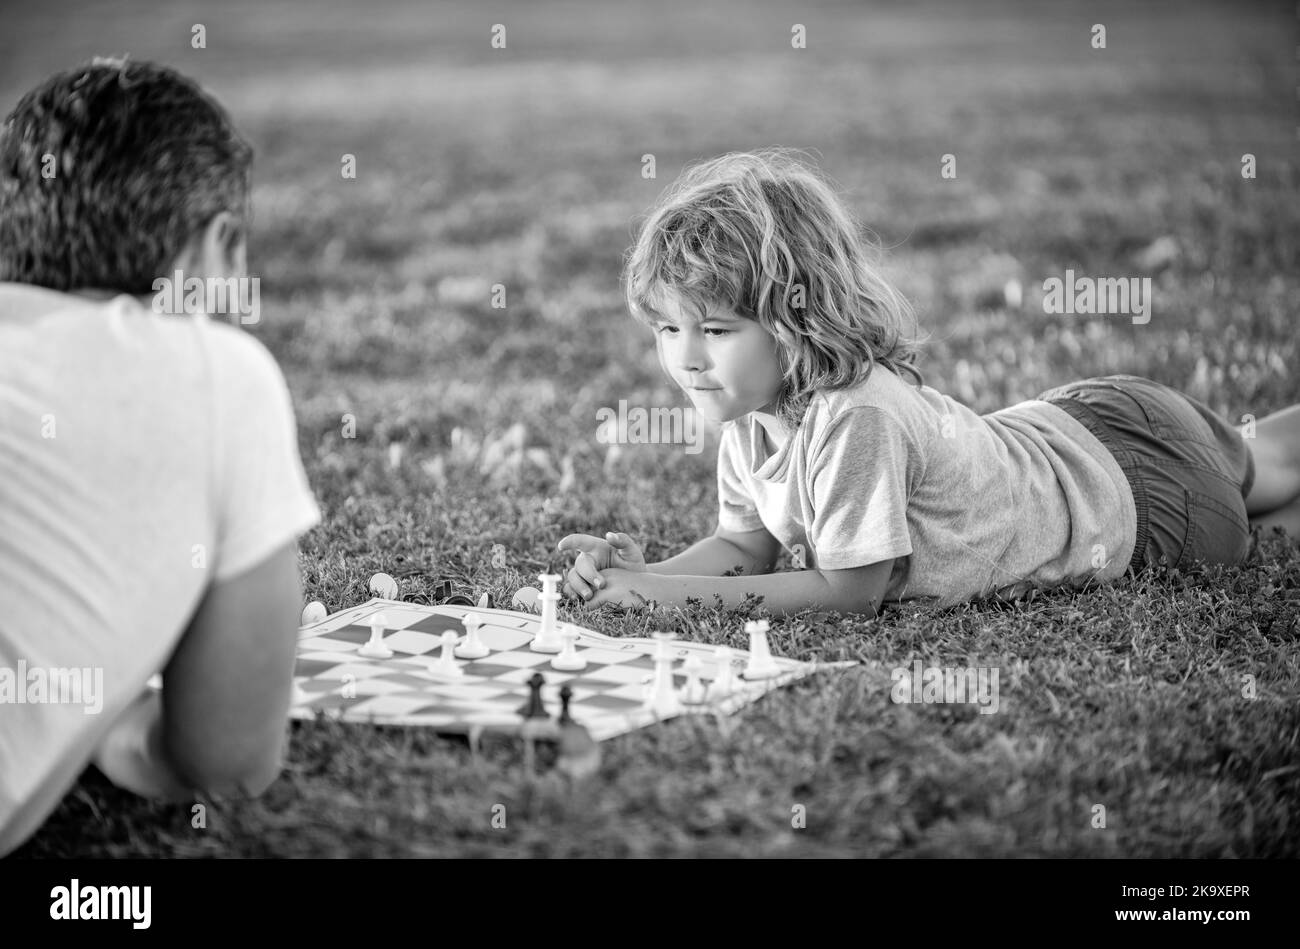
(115, 172)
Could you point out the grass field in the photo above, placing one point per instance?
(523, 167)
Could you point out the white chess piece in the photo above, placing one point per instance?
(761, 665)
(473, 647)
(693, 692)
(375, 648)
(548, 636)
(313, 613)
(568, 660)
(525, 598)
(662, 698)
(383, 586)
(445, 665)
(724, 681)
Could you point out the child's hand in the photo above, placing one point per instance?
(625, 588)
(594, 555)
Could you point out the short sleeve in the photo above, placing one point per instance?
(859, 474)
(263, 500)
(736, 510)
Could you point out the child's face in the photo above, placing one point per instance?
(727, 364)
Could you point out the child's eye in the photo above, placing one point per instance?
(665, 328)
(717, 332)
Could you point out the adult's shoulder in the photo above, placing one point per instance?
(242, 368)
(236, 350)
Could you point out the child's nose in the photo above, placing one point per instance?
(693, 357)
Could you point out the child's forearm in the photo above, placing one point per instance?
(710, 557)
(782, 593)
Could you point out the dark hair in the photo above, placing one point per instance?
(142, 158)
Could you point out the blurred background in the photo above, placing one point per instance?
(523, 166)
(476, 446)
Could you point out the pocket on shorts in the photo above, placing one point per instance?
(1187, 556)
(1153, 402)
(1216, 533)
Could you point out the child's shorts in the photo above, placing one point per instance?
(1190, 471)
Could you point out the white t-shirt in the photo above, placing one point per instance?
(967, 505)
(143, 457)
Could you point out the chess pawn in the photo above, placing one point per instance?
(724, 680)
(473, 647)
(662, 698)
(534, 708)
(693, 692)
(761, 665)
(445, 665)
(375, 648)
(579, 755)
(568, 660)
(537, 724)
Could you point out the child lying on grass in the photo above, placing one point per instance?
(151, 492)
(767, 310)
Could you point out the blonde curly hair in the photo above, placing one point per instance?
(765, 235)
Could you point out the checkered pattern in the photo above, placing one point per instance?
(608, 695)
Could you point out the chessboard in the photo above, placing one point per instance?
(609, 696)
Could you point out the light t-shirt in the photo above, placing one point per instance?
(143, 457)
(967, 505)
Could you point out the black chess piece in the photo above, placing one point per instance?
(566, 694)
(534, 708)
(579, 754)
